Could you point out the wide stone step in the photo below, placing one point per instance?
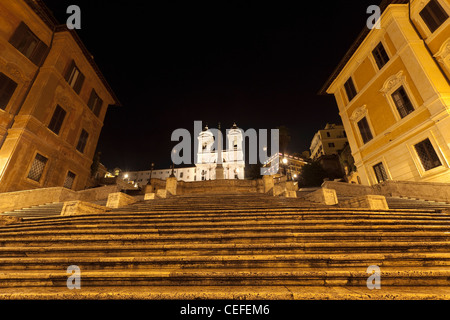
(412, 260)
(206, 223)
(109, 249)
(225, 217)
(221, 292)
(397, 276)
(161, 233)
(411, 244)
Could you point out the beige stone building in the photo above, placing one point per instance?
(53, 100)
(328, 141)
(393, 94)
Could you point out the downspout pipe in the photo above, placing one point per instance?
(426, 45)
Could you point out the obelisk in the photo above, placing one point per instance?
(219, 166)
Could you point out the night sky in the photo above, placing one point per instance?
(260, 64)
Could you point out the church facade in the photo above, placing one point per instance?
(212, 162)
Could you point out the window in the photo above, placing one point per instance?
(28, 44)
(181, 174)
(402, 102)
(328, 134)
(57, 119)
(37, 168)
(331, 145)
(95, 103)
(82, 141)
(7, 88)
(380, 56)
(350, 89)
(364, 129)
(74, 77)
(433, 15)
(427, 155)
(70, 178)
(380, 173)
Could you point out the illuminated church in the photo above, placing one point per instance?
(208, 166)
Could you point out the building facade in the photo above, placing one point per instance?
(53, 100)
(328, 141)
(285, 164)
(393, 94)
(233, 162)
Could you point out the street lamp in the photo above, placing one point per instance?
(151, 173)
(285, 164)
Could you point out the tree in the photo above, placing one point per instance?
(284, 138)
(253, 171)
(95, 164)
(312, 175)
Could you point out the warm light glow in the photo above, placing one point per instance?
(237, 170)
(126, 176)
(285, 161)
(295, 176)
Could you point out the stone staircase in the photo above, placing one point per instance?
(42, 211)
(45, 210)
(229, 246)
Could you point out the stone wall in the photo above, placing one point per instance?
(96, 194)
(369, 201)
(418, 190)
(344, 189)
(406, 189)
(23, 199)
(220, 186)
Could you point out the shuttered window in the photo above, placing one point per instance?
(70, 178)
(7, 88)
(427, 155)
(74, 77)
(380, 172)
(82, 141)
(95, 103)
(380, 56)
(364, 129)
(433, 15)
(29, 44)
(402, 101)
(350, 89)
(57, 119)
(37, 168)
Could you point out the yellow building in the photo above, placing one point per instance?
(393, 94)
(53, 100)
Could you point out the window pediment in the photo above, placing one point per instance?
(359, 113)
(393, 83)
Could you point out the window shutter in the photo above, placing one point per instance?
(69, 69)
(19, 34)
(79, 83)
(7, 88)
(98, 107)
(91, 100)
(38, 55)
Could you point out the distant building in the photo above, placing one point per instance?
(392, 89)
(53, 100)
(284, 164)
(233, 163)
(328, 141)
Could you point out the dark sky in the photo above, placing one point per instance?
(170, 63)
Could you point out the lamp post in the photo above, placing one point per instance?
(151, 173)
(285, 162)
